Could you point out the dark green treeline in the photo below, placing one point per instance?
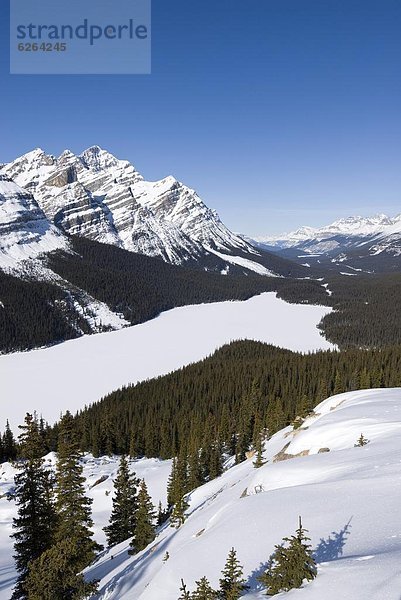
(223, 402)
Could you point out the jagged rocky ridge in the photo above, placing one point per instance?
(25, 231)
(98, 196)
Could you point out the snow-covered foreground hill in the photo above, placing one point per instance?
(78, 372)
(348, 499)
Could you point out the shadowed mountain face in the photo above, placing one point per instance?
(97, 196)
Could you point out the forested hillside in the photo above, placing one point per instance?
(37, 313)
(223, 402)
(367, 309)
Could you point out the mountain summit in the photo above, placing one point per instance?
(100, 197)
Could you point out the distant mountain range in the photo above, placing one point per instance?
(355, 243)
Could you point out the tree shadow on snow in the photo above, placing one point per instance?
(332, 548)
(253, 580)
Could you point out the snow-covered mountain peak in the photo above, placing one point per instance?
(97, 159)
(96, 195)
(358, 225)
(66, 155)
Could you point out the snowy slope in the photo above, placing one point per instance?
(85, 369)
(98, 196)
(348, 498)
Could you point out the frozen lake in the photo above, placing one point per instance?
(79, 372)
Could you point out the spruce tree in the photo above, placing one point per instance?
(52, 576)
(216, 460)
(362, 441)
(172, 485)
(9, 445)
(162, 515)
(176, 489)
(72, 505)
(204, 591)
(290, 564)
(195, 478)
(145, 517)
(177, 517)
(125, 503)
(259, 447)
(35, 521)
(232, 583)
(185, 594)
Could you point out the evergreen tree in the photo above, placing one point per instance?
(35, 520)
(185, 594)
(195, 478)
(53, 577)
(122, 520)
(43, 433)
(172, 485)
(132, 445)
(145, 518)
(338, 384)
(259, 462)
(9, 445)
(362, 441)
(290, 565)
(176, 491)
(204, 591)
(232, 583)
(72, 505)
(162, 515)
(364, 380)
(216, 459)
(177, 517)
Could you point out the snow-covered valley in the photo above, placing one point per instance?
(78, 372)
(348, 498)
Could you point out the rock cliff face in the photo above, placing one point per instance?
(25, 232)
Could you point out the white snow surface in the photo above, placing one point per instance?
(243, 262)
(81, 371)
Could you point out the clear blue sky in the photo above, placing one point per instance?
(279, 112)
